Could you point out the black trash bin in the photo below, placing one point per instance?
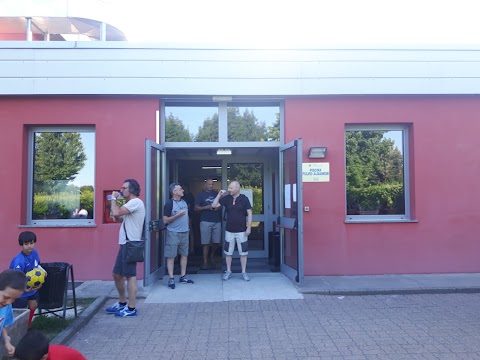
(53, 293)
(274, 248)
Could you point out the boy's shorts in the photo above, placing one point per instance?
(210, 232)
(22, 303)
(122, 267)
(176, 243)
(240, 238)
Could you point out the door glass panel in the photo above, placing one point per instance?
(250, 177)
(156, 201)
(256, 240)
(253, 123)
(289, 193)
(191, 123)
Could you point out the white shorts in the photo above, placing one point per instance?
(240, 238)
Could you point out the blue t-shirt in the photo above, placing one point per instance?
(173, 207)
(25, 263)
(206, 198)
(6, 316)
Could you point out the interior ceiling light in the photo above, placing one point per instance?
(224, 152)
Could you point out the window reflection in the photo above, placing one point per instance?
(375, 172)
(63, 175)
(258, 123)
(191, 124)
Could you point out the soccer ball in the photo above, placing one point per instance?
(35, 278)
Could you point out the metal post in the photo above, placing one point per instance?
(29, 29)
(103, 32)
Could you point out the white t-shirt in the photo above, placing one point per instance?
(133, 221)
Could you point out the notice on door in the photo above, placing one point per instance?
(316, 172)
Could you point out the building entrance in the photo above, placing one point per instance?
(256, 170)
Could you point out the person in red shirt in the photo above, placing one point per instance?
(34, 346)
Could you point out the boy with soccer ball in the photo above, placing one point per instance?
(26, 261)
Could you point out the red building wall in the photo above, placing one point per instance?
(121, 125)
(444, 169)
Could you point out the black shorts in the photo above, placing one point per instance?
(22, 303)
(122, 267)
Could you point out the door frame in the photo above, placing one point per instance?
(149, 277)
(294, 274)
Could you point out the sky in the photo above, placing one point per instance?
(300, 23)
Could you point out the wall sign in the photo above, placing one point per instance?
(316, 172)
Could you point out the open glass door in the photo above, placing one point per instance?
(154, 195)
(290, 221)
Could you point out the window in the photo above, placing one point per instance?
(221, 122)
(377, 173)
(61, 176)
(253, 123)
(191, 123)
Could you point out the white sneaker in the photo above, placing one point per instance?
(227, 275)
(245, 276)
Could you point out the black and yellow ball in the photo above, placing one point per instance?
(35, 278)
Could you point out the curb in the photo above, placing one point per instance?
(63, 337)
(418, 291)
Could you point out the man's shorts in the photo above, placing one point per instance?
(210, 232)
(176, 243)
(22, 303)
(240, 238)
(122, 267)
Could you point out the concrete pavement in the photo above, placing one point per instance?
(426, 326)
(269, 286)
(437, 319)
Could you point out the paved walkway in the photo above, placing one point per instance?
(191, 322)
(269, 286)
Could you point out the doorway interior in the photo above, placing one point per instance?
(257, 171)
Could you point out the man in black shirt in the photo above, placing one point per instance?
(238, 226)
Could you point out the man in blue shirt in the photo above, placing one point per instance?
(175, 216)
(25, 261)
(210, 221)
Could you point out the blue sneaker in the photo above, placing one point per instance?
(126, 313)
(115, 308)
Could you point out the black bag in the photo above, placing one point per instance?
(135, 249)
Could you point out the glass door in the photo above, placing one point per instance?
(154, 196)
(290, 221)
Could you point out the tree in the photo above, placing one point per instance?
(59, 157)
(374, 171)
(244, 127)
(273, 132)
(209, 130)
(175, 130)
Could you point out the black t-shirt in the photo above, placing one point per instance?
(206, 198)
(236, 214)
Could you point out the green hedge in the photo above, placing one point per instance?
(389, 196)
(61, 205)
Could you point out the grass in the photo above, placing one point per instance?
(52, 325)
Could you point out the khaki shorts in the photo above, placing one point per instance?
(176, 243)
(210, 232)
(241, 239)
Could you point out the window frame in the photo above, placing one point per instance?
(31, 156)
(406, 172)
